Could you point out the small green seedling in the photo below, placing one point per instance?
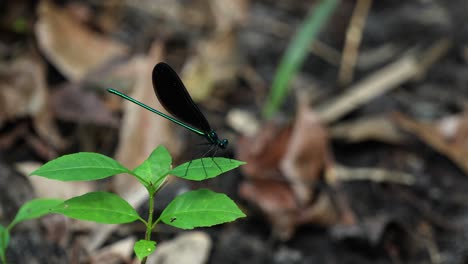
(199, 208)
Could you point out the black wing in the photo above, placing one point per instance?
(174, 97)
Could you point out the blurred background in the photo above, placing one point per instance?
(351, 115)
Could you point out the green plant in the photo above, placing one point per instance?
(296, 53)
(199, 208)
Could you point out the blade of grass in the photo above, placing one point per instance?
(296, 53)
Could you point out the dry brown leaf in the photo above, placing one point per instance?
(186, 248)
(277, 201)
(118, 74)
(302, 152)
(448, 135)
(264, 151)
(243, 122)
(307, 153)
(117, 252)
(229, 14)
(23, 93)
(74, 49)
(72, 103)
(216, 62)
(322, 212)
(22, 89)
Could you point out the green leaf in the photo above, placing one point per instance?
(205, 168)
(200, 208)
(34, 209)
(296, 54)
(156, 167)
(4, 241)
(100, 207)
(83, 166)
(144, 248)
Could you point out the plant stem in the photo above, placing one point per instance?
(149, 223)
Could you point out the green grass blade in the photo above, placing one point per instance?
(4, 241)
(296, 54)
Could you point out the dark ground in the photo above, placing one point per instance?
(425, 221)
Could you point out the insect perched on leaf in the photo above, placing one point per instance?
(175, 98)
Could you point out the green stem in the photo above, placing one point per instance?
(149, 223)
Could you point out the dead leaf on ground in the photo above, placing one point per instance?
(118, 252)
(276, 200)
(229, 14)
(72, 47)
(321, 212)
(302, 152)
(307, 154)
(187, 248)
(264, 151)
(216, 62)
(22, 89)
(23, 93)
(72, 103)
(448, 135)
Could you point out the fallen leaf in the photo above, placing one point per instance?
(264, 151)
(72, 47)
(229, 14)
(306, 156)
(276, 200)
(118, 252)
(23, 93)
(448, 135)
(22, 89)
(215, 62)
(72, 103)
(322, 212)
(243, 122)
(186, 248)
(286, 200)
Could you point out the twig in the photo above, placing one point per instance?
(353, 40)
(373, 174)
(406, 68)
